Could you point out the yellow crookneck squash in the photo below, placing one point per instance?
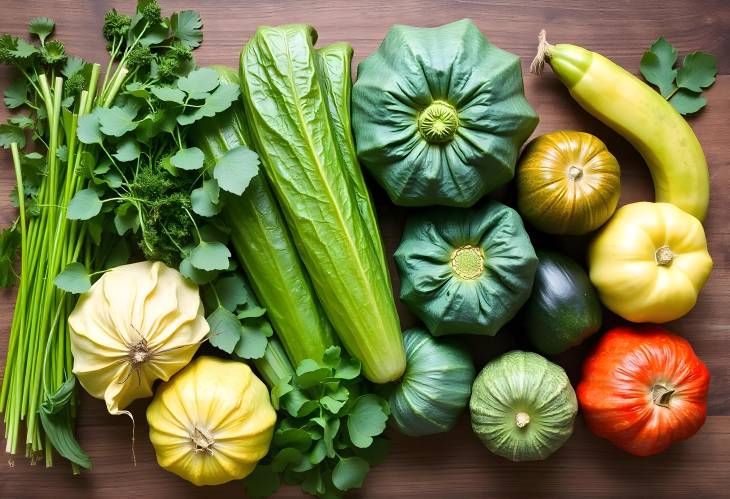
(212, 422)
(649, 262)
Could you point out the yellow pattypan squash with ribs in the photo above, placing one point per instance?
(212, 422)
(649, 262)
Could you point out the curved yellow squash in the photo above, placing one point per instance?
(642, 116)
(212, 422)
(649, 262)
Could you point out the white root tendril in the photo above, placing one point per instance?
(543, 53)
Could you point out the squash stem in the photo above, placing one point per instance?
(522, 419)
(661, 395)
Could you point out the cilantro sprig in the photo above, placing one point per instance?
(329, 432)
(682, 86)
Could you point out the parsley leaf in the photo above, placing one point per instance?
(235, 169)
(84, 205)
(698, 71)
(16, 93)
(349, 473)
(210, 256)
(367, 419)
(680, 86)
(190, 158)
(657, 66)
(11, 133)
(115, 121)
(9, 246)
(74, 279)
(169, 94)
(88, 130)
(225, 330)
(199, 82)
(128, 150)
(41, 27)
(186, 26)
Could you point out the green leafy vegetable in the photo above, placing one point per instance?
(319, 412)
(74, 279)
(235, 169)
(681, 86)
(84, 205)
(41, 27)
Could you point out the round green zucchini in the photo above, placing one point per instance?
(563, 309)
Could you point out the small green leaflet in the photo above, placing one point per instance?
(367, 419)
(41, 27)
(186, 26)
(698, 71)
(198, 276)
(225, 330)
(168, 94)
(188, 159)
(349, 473)
(88, 129)
(74, 279)
(235, 169)
(73, 65)
(11, 133)
(126, 218)
(680, 86)
(84, 205)
(24, 49)
(220, 100)
(16, 93)
(231, 291)
(128, 150)
(210, 256)
(115, 121)
(199, 81)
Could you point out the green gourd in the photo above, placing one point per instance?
(465, 271)
(523, 406)
(563, 309)
(435, 387)
(439, 115)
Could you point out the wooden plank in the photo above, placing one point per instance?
(454, 464)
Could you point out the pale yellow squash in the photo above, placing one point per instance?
(212, 422)
(138, 323)
(649, 262)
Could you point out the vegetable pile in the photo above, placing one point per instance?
(192, 205)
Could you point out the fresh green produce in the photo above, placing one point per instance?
(262, 243)
(681, 86)
(650, 262)
(435, 388)
(643, 389)
(522, 406)
(212, 422)
(465, 271)
(138, 323)
(55, 94)
(563, 309)
(328, 434)
(632, 108)
(302, 158)
(567, 183)
(439, 114)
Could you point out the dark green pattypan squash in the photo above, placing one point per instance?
(466, 271)
(522, 406)
(435, 388)
(439, 115)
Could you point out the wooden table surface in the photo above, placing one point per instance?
(453, 464)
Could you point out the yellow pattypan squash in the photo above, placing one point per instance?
(649, 262)
(138, 323)
(212, 422)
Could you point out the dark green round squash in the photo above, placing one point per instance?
(435, 387)
(465, 271)
(563, 309)
(439, 115)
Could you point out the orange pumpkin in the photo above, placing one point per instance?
(567, 183)
(643, 389)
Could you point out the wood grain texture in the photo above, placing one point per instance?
(455, 464)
